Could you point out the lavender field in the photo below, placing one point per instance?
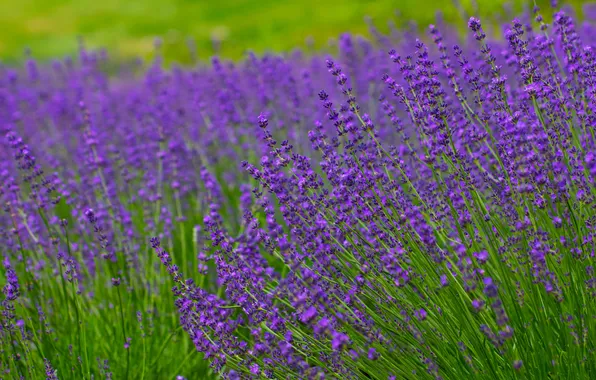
(413, 206)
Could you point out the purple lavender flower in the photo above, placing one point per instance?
(372, 354)
(420, 314)
(490, 289)
(481, 256)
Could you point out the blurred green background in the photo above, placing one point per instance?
(128, 28)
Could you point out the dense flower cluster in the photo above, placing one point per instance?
(411, 208)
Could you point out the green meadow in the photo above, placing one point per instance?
(227, 27)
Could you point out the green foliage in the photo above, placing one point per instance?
(128, 28)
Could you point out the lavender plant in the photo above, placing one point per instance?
(387, 215)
